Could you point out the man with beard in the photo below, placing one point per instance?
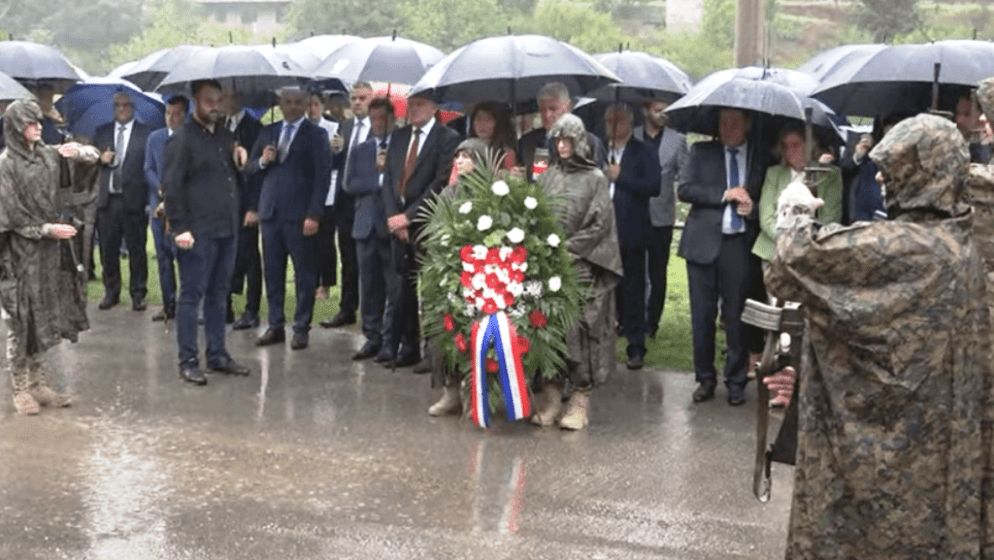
(201, 188)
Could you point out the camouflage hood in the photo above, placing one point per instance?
(985, 94)
(17, 117)
(924, 161)
(477, 149)
(570, 126)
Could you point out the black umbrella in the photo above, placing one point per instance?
(36, 65)
(825, 62)
(323, 45)
(643, 76)
(511, 69)
(10, 89)
(148, 72)
(900, 79)
(254, 73)
(379, 59)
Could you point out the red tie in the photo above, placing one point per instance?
(412, 158)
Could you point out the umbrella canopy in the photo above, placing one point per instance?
(11, 89)
(899, 79)
(825, 62)
(643, 76)
(760, 91)
(323, 45)
(148, 72)
(379, 59)
(255, 73)
(36, 65)
(90, 104)
(511, 69)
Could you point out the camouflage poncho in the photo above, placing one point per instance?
(895, 406)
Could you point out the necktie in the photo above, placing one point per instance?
(116, 180)
(284, 146)
(412, 158)
(733, 181)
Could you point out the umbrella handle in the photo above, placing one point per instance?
(935, 86)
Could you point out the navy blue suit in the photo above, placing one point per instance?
(123, 215)
(718, 264)
(291, 191)
(165, 249)
(637, 182)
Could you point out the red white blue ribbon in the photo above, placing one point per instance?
(497, 330)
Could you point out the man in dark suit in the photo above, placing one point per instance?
(122, 201)
(292, 161)
(554, 101)
(721, 182)
(633, 170)
(351, 133)
(155, 162)
(419, 161)
(248, 262)
(369, 229)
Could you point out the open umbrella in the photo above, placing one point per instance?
(89, 104)
(11, 89)
(643, 76)
(900, 79)
(379, 59)
(255, 73)
(36, 65)
(323, 45)
(148, 72)
(825, 62)
(511, 69)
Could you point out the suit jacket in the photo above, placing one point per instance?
(673, 153)
(363, 183)
(296, 188)
(431, 170)
(246, 133)
(635, 185)
(155, 160)
(133, 174)
(703, 183)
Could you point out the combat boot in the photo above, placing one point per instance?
(450, 403)
(551, 404)
(42, 392)
(576, 410)
(24, 403)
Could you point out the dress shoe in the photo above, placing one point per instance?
(704, 392)
(229, 317)
(368, 350)
(246, 321)
(192, 374)
(229, 367)
(165, 314)
(407, 360)
(271, 336)
(339, 320)
(384, 356)
(107, 303)
(139, 304)
(635, 362)
(736, 397)
(300, 340)
(424, 366)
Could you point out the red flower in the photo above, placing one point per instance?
(492, 366)
(516, 276)
(524, 344)
(537, 319)
(471, 299)
(478, 267)
(493, 256)
(489, 307)
(466, 279)
(493, 282)
(508, 299)
(466, 253)
(460, 341)
(520, 254)
(447, 321)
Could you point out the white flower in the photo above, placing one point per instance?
(553, 240)
(500, 188)
(516, 235)
(484, 223)
(503, 275)
(534, 288)
(480, 303)
(505, 252)
(466, 208)
(466, 267)
(531, 203)
(479, 252)
(523, 267)
(555, 283)
(515, 288)
(479, 281)
(470, 310)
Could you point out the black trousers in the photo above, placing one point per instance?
(630, 299)
(374, 257)
(114, 223)
(401, 326)
(336, 225)
(658, 253)
(730, 277)
(248, 269)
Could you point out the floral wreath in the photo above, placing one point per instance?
(499, 288)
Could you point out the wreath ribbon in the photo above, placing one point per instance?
(498, 331)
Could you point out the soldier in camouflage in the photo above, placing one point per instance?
(894, 456)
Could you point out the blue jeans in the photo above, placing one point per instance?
(165, 255)
(205, 274)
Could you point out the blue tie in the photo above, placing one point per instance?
(733, 181)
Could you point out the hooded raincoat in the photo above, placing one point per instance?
(41, 289)
(592, 241)
(895, 397)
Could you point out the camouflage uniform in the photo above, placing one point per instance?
(896, 406)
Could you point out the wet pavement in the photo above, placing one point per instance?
(314, 456)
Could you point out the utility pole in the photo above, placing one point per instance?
(749, 33)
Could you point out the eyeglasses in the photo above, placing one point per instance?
(122, 105)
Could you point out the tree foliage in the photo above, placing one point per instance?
(450, 24)
(365, 18)
(577, 24)
(886, 19)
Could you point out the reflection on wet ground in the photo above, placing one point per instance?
(317, 457)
